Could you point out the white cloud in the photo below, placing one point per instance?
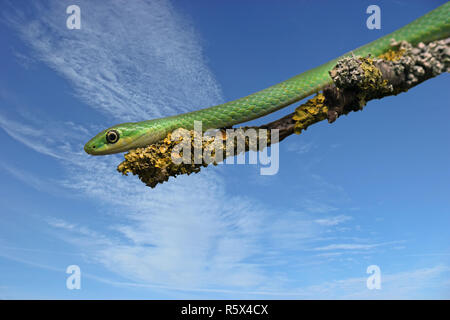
(132, 60)
(28, 178)
(187, 232)
(28, 135)
(333, 221)
(353, 246)
(300, 147)
(409, 284)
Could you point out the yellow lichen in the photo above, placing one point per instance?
(392, 55)
(155, 163)
(310, 112)
(372, 85)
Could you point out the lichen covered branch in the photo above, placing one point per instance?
(356, 80)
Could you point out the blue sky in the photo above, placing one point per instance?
(372, 188)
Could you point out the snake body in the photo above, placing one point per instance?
(432, 26)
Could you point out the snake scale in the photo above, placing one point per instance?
(432, 26)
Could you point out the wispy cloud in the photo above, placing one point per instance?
(300, 147)
(30, 136)
(28, 178)
(353, 246)
(180, 234)
(333, 221)
(409, 284)
(132, 60)
(190, 234)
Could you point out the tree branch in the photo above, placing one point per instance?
(356, 80)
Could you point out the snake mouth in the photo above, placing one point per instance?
(97, 147)
(91, 148)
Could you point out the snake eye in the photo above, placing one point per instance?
(112, 136)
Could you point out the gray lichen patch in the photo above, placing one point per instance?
(176, 154)
(356, 81)
(360, 79)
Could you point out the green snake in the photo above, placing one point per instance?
(432, 26)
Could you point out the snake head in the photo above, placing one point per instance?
(119, 138)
